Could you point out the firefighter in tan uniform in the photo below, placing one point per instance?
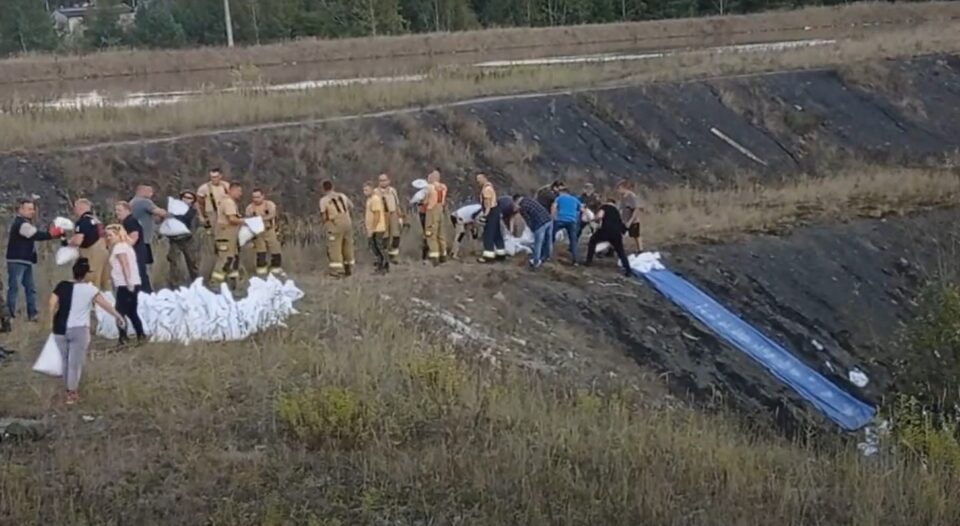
(444, 213)
(335, 209)
(269, 240)
(391, 201)
(433, 228)
(491, 217)
(227, 243)
(375, 221)
(209, 196)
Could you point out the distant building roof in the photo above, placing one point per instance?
(82, 11)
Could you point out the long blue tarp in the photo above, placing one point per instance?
(838, 405)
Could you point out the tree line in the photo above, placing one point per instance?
(26, 25)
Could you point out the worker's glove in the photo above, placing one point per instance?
(55, 231)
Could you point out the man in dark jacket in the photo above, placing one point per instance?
(22, 256)
(185, 247)
(611, 230)
(547, 194)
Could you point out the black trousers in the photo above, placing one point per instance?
(127, 307)
(493, 245)
(616, 241)
(144, 254)
(378, 245)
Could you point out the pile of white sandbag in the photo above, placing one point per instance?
(195, 313)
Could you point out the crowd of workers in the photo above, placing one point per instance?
(117, 257)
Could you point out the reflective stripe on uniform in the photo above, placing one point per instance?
(489, 254)
(217, 276)
(501, 252)
(262, 271)
(433, 255)
(336, 265)
(351, 262)
(276, 270)
(233, 275)
(394, 252)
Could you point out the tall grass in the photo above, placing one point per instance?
(352, 416)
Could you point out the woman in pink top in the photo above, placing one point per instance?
(126, 278)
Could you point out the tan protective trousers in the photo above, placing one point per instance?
(99, 259)
(228, 254)
(340, 246)
(267, 243)
(394, 229)
(433, 233)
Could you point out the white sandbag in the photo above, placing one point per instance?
(419, 184)
(107, 324)
(518, 245)
(419, 196)
(252, 227)
(195, 313)
(467, 214)
(64, 224)
(603, 247)
(645, 262)
(173, 227)
(587, 215)
(50, 361)
(66, 255)
(177, 207)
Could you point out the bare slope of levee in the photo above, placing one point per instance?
(29, 77)
(493, 395)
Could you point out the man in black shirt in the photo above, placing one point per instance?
(611, 230)
(89, 238)
(134, 229)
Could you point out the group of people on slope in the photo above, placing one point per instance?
(553, 209)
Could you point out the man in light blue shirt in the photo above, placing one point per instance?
(566, 216)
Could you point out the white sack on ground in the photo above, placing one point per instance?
(50, 361)
(177, 207)
(645, 262)
(252, 227)
(67, 255)
(858, 378)
(517, 245)
(195, 313)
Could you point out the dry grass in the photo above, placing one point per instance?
(311, 58)
(680, 214)
(355, 416)
(352, 416)
(30, 128)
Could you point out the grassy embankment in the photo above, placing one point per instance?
(355, 416)
(24, 127)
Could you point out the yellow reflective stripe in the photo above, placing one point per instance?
(488, 254)
(262, 270)
(393, 252)
(336, 265)
(501, 252)
(351, 262)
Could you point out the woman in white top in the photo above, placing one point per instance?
(126, 278)
(71, 304)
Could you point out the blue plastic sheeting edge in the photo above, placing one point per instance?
(838, 405)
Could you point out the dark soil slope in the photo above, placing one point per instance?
(704, 133)
(835, 296)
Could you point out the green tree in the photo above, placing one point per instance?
(155, 27)
(102, 28)
(379, 17)
(26, 26)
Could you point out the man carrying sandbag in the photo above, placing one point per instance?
(267, 241)
(229, 222)
(184, 246)
(89, 238)
(21, 258)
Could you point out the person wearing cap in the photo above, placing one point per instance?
(184, 247)
(72, 305)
